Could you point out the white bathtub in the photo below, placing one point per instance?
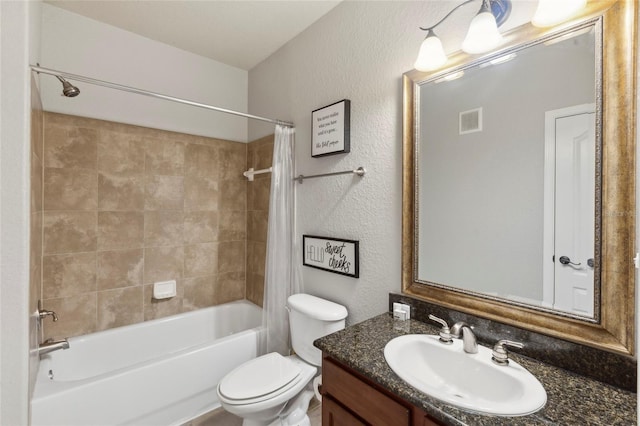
(160, 372)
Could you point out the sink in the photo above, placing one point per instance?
(468, 381)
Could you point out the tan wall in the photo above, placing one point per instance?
(259, 156)
(126, 206)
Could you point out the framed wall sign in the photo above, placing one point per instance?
(331, 254)
(330, 128)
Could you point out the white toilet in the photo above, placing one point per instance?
(273, 389)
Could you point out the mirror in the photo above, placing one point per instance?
(506, 172)
(518, 189)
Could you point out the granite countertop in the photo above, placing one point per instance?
(571, 399)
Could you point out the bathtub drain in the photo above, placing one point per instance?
(50, 374)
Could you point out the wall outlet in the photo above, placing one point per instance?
(401, 311)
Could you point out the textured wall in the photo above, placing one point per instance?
(79, 45)
(358, 51)
(126, 206)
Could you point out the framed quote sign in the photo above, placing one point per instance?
(331, 254)
(330, 127)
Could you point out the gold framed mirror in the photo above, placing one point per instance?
(611, 328)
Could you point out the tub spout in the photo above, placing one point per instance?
(51, 345)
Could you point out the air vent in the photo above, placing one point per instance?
(470, 121)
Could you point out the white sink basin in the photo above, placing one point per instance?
(469, 381)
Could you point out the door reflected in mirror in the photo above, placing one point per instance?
(508, 173)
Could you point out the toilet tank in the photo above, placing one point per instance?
(310, 318)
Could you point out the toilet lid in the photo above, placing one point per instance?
(258, 377)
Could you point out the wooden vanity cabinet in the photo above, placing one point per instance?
(349, 399)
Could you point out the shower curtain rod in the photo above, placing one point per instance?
(249, 174)
(116, 86)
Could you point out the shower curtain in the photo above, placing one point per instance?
(282, 269)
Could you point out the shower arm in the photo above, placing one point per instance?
(129, 89)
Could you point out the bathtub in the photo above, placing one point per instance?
(160, 372)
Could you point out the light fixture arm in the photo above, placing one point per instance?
(500, 9)
(447, 15)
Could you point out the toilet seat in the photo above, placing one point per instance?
(260, 379)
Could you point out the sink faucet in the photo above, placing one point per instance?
(469, 341)
(51, 345)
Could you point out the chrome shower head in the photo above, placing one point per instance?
(68, 89)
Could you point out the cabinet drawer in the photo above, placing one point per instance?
(373, 406)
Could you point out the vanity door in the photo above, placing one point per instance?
(351, 400)
(333, 414)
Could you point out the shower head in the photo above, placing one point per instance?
(68, 89)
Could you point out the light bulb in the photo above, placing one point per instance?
(431, 55)
(552, 12)
(483, 34)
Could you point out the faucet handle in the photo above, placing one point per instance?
(445, 332)
(43, 313)
(500, 356)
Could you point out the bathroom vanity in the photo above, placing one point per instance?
(360, 388)
(346, 392)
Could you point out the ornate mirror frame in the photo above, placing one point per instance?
(615, 330)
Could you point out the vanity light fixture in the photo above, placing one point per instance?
(552, 12)
(482, 36)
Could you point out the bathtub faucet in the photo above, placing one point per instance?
(51, 345)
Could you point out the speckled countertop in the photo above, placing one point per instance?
(571, 399)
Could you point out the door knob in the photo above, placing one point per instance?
(566, 261)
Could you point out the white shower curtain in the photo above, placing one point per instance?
(282, 270)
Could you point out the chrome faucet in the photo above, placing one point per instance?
(51, 345)
(462, 330)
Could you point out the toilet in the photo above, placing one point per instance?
(274, 389)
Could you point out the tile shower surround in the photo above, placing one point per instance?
(125, 206)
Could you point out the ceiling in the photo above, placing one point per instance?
(239, 33)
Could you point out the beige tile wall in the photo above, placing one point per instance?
(126, 206)
(259, 156)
